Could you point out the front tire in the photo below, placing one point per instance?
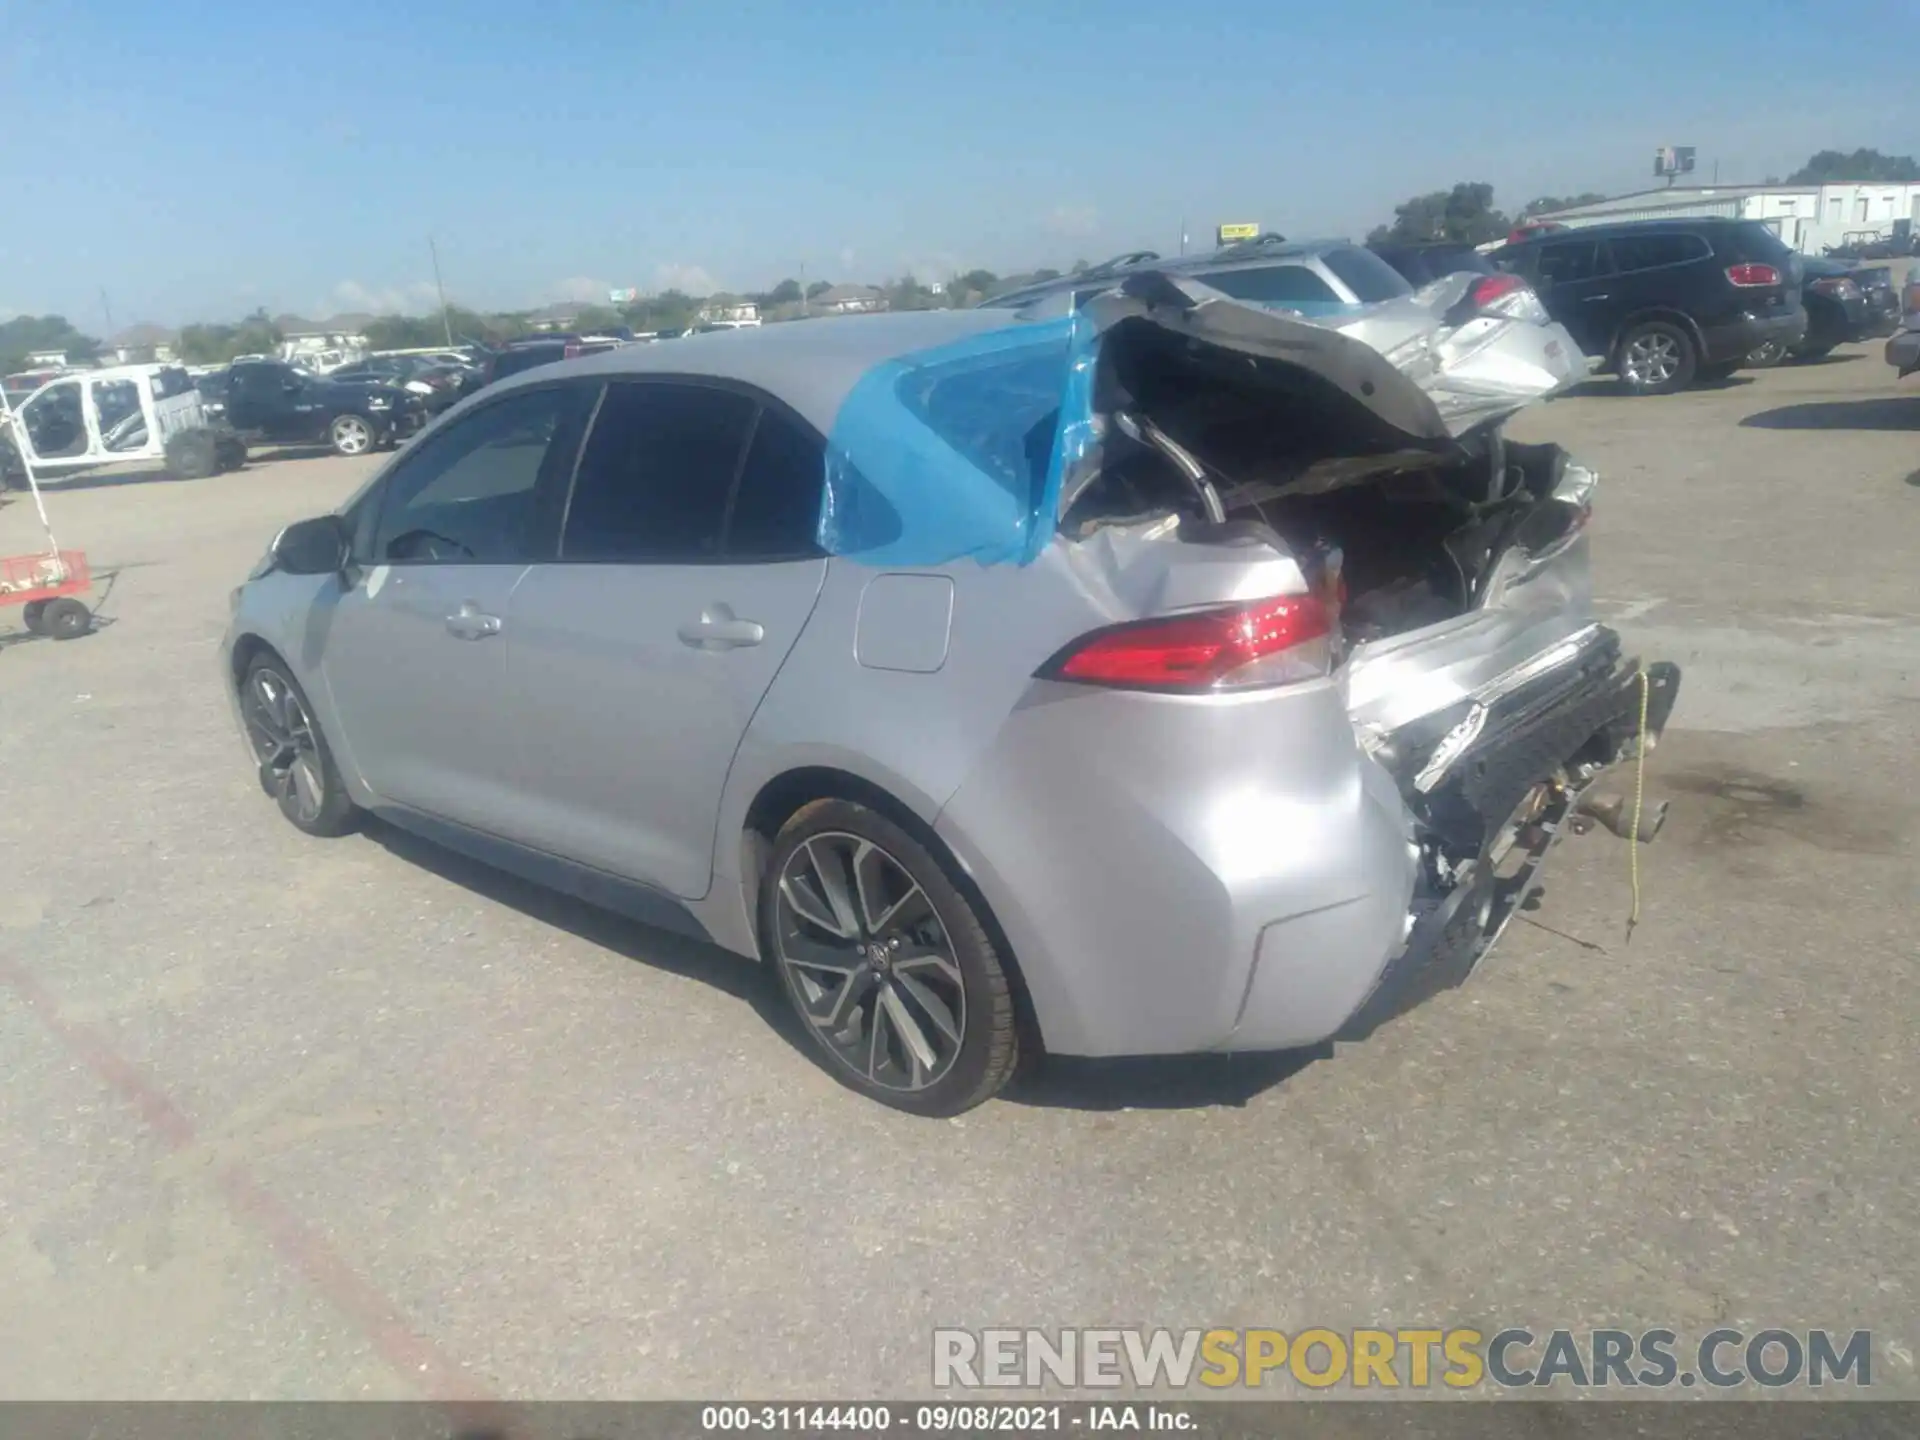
(1766, 356)
(296, 764)
(351, 435)
(1656, 359)
(887, 966)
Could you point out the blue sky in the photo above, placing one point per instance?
(195, 160)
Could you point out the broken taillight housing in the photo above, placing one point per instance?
(1505, 296)
(1238, 647)
(1752, 275)
(1838, 286)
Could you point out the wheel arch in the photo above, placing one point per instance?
(785, 794)
(1678, 318)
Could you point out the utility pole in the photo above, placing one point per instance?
(803, 289)
(446, 320)
(1183, 234)
(107, 310)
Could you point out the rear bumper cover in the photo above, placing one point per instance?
(1739, 338)
(1585, 724)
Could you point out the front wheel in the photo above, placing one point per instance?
(1656, 359)
(296, 765)
(351, 435)
(901, 991)
(65, 619)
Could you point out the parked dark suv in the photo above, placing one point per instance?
(1665, 302)
(271, 400)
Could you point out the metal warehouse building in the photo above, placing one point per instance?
(1810, 218)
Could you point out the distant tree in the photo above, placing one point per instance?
(26, 334)
(1043, 273)
(1079, 267)
(216, 344)
(1833, 167)
(818, 288)
(785, 293)
(1464, 215)
(1547, 203)
(907, 293)
(405, 332)
(596, 318)
(669, 310)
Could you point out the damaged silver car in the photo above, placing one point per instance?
(1170, 675)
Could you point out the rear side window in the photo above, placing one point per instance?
(1754, 241)
(1273, 285)
(1564, 261)
(656, 473)
(1649, 252)
(776, 506)
(1368, 276)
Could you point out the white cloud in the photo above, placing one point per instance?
(391, 300)
(688, 279)
(580, 290)
(1072, 221)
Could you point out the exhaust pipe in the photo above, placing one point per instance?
(1616, 813)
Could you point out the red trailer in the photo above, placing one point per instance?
(45, 585)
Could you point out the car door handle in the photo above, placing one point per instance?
(1589, 299)
(470, 623)
(718, 629)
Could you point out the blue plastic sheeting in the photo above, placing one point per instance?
(958, 451)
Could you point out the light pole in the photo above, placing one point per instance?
(446, 320)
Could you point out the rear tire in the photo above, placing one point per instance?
(1656, 358)
(230, 452)
(1766, 356)
(296, 764)
(65, 619)
(33, 616)
(889, 970)
(192, 454)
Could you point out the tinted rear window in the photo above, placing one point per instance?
(1273, 285)
(1648, 252)
(1755, 241)
(1366, 274)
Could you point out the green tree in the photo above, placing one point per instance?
(785, 293)
(818, 288)
(594, 319)
(1833, 167)
(1464, 215)
(1548, 203)
(1043, 273)
(26, 334)
(405, 332)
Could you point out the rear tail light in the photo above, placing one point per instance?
(1507, 296)
(1239, 647)
(1751, 275)
(1910, 298)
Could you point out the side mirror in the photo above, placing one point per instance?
(312, 547)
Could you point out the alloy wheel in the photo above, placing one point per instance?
(284, 742)
(352, 435)
(1652, 359)
(870, 962)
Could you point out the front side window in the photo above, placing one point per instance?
(1566, 261)
(467, 495)
(55, 422)
(655, 475)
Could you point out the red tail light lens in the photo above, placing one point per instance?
(1494, 287)
(1270, 642)
(1910, 298)
(1753, 275)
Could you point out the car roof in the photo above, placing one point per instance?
(1242, 255)
(808, 364)
(1629, 227)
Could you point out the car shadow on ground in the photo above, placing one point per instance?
(1149, 1083)
(110, 479)
(1886, 412)
(1605, 387)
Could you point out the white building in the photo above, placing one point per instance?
(1810, 218)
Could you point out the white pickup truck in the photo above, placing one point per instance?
(91, 418)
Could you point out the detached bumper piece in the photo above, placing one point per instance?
(1492, 785)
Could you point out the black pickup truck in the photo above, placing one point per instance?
(271, 401)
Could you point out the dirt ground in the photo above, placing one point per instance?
(294, 1119)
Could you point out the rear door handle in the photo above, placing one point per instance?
(719, 629)
(1589, 299)
(470, 623)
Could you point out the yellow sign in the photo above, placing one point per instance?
(1227, 234)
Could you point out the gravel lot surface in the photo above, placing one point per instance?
(294, 1119)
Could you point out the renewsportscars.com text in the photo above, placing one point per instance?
(1389, 1359)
